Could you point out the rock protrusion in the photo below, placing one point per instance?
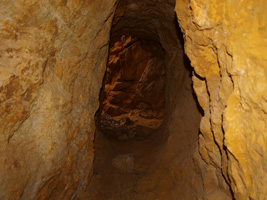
(134, 92)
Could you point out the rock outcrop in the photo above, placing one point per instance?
(226, 43)
(133, 89)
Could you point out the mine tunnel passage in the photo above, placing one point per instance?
(148, 114)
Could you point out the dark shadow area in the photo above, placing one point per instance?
(187, 63)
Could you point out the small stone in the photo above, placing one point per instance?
(124, 162)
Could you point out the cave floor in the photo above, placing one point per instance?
(120, 165)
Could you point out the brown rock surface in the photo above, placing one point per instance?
(52, 59)
(134, 88)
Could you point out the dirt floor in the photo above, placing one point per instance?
(119, 165)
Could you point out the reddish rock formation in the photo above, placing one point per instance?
(134, 88)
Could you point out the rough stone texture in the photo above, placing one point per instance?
(132, 100)
(53, 56)
(226, 43)
(52, 59)
(134, 79)
(168, 165)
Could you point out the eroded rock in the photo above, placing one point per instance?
(52, 59)
(134, 92)
(227, 53)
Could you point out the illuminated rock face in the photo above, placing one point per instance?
(52, 60)
(226, 43)
(133, 89)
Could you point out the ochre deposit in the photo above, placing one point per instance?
(53, 57)
(226, 43)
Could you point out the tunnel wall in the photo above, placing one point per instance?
(226, 43)
(52, 59)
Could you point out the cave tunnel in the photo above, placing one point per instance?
(146, 98)
(146, 68)
(133, 100)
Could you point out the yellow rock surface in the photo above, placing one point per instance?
(226, 43)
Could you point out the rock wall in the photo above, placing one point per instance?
(226, 43)
(52, 60)
(132, 98)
